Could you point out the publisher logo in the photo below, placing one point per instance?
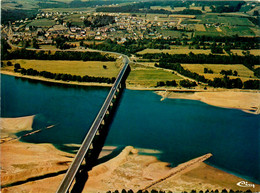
(245, 184)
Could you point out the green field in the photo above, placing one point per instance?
(147, 76)
(207, 33)
(42, 23)
(255, 52)
(162, 7)
(243, 72)
(90, 68)
(228, 20)
(176, 34)
(180, 50)
(239, 30)
(75, 19)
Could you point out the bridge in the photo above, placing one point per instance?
(90, 142)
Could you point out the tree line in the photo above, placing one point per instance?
(224, 82)
(58, 55)
(145, 7)
(62, 76)
(177, 67)
(192, 191)
(248, 60)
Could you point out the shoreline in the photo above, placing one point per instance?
(245, 100)
(248, 102)
(23, 161)
(42, 79)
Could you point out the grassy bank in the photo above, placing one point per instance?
(90, 68)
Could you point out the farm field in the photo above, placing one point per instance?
(208, 33)
(90, 68)
(180, 50)
(243, 72)
(75, 19)
(228, 20)
(176, 34)
(200, 27)
(42, 23)
(237, 30)
(147, 76)
(255, 52)
(162, 7)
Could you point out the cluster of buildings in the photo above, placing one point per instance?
(125, 26)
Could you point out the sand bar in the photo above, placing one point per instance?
(37, 168)
(246, 101)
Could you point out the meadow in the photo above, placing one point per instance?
(237, 30)
(228, 20)
(255, 52)
(90, 68)
(42, 23)
(176, 50)
(243, 72)
(148, 76)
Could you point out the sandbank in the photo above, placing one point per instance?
(248, 101)
(27, 167)
(21, 162)
(9, 126)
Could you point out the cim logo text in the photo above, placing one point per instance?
(245, 184)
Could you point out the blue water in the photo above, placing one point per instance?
(180, 129)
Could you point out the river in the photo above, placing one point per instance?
(180, 129)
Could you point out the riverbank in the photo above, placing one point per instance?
(39, 78)
(243, 100)
(246, 100)
(27, 167)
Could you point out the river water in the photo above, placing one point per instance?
(180, 129)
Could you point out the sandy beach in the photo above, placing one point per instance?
(243, 100)
(27, 167)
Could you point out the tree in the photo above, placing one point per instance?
(123, 191)
(187, 83)
(256, 13)
(35, 44)
(81, 43)
(9, 63)
(235, 73)
(161, 83)
(257, 72)
(17, 66)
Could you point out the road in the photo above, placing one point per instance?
(73, 169)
